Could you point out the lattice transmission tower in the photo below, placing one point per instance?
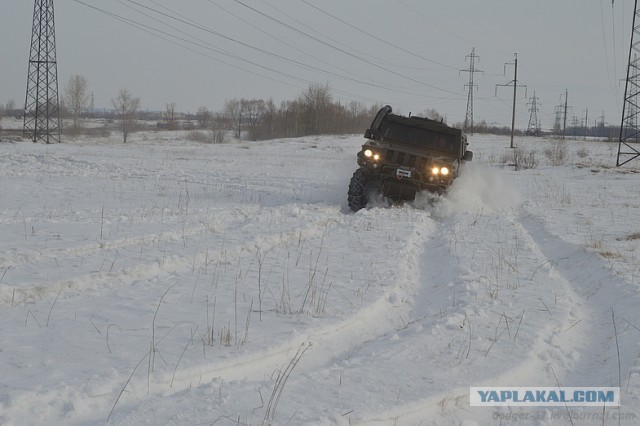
(629, 127)
(534, 125)
(468, 119)
(41, 108)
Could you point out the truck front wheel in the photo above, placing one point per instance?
(358, 190)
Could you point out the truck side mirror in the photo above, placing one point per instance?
(367, 134)
(468, 156)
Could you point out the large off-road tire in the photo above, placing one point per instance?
(358, 195)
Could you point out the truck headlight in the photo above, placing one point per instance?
(370, 154)
(436, 170)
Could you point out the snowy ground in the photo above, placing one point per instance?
(170, 282)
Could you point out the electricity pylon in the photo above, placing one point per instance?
(557, 126)
(534, 127)
(468, 120)
(41, 107)
(630, 110)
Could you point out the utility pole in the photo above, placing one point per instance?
(513, 83)
(629, 126)
(564, 124)
(41, 107)
(468, 120)
(533, 128)
(561, 114)
(586, 124)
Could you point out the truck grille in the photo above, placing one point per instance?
(402, 159)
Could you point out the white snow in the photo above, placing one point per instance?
(170, 282)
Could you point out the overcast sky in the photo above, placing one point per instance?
(406, 53)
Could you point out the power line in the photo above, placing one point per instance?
(604, 41)
(166, 36)
(366, 61)
(613, 30)
(307, 27)
(163, 34)
(448, 30)
(364, 22)
(371, 82)
(376, 37)
(186, 21)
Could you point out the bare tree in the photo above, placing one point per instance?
(126, 106)
(76, 97)
(253, 111)
(233, 111)
(11, 105)
(10, 108)
(316, 102)
(434, 115)
(204, 117)
(170, 115)
(266, 125)
(313, 112)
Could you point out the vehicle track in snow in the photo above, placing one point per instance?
(445, 309)
(136, 257)
(562, 338)
(402, 308)
(596, 332)
(376, 289)
(448, 315)
(481, 310)
(335, 338)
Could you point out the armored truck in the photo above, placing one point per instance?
(404, 155)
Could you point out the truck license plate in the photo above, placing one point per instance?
(401, 173)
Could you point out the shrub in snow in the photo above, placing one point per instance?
(520, 158)
(582, 153)
(556, 153)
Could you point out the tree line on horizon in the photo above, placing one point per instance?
(313, 112)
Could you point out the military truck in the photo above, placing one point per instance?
(405, 155)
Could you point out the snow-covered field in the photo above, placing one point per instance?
(171, 282)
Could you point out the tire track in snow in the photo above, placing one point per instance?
(229, 224)
(574, 345)
(289, 231)
(462, 293)
(19, 258)
(331, 339)
(585, 351)
(330, 342)
(384, 315)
